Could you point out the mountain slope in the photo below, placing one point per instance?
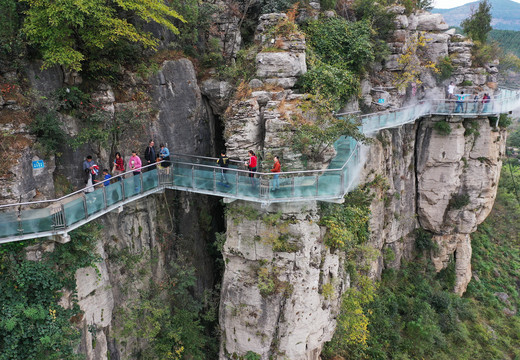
(506, 14)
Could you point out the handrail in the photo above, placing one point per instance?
(93, 187)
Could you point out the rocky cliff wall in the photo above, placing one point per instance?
(273, 300)
(444, 184)
(140, 241)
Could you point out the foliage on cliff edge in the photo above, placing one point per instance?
(415, 315)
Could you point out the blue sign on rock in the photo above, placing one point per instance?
(38, 164)
(380, 101)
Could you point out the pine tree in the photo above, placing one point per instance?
(478, 25)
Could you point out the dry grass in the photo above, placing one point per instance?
(243, 91)
(13, 117)
(162, 55)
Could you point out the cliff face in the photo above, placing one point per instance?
(445, 184)
(282, 286)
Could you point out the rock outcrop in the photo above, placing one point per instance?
(272, 301)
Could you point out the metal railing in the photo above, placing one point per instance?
(201, 174)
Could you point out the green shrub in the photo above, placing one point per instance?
(458, 201)
(423, 240)
(442, 127)
(48, 131)
(270, 6)
(340, 43)
(514, 138)
(445, 66)
(33, 324)
(383, 24)
(466, 83)
(328, 4)
(504, 121)
(484, 53)
(12, 45)
(71, 98)
(250, 355)
(331, 83)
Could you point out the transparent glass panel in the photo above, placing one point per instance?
(8, 224)
(74, 211)
(132, 186)
(95, 201)
(204, 178)
(329, 184)
(182, 175)
(150, 180)
(114, 193)
(34, 221)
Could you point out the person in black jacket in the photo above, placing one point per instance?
(223, 162)
(150, 155)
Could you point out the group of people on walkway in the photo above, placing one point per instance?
(480, 105)
(135, 164)
(252, 165)
(161, 160)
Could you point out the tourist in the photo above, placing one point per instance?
(135, 165)
(106, 177)
(485, 101)
(223, 162)
(276, 169)
(475, 102)
(164, 155)
(251, 165)
(451, 90)
(89, 170)
(460, 102)
(150, 155)
(119, 166)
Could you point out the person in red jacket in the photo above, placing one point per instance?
(276, 169)
(251, 164)
(119, 166)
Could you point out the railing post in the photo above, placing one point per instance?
(236, 182)
(292, 186)
(85, 205)
(214, 181)
(105, 196)
(317, 183)
(19, 219)
(64, 217)
(141, 181)
(193, 176)
(122, 182)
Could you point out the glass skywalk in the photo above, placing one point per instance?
(201, 175)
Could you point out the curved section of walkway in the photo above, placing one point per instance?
(201, 175)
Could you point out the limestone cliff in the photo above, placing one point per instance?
(273, 301)
(445, 184)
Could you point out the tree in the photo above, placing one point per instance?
(478, 25)
(67, 31)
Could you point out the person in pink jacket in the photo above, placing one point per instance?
(135, 165)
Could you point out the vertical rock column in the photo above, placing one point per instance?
(457, 179)
(276, 265)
